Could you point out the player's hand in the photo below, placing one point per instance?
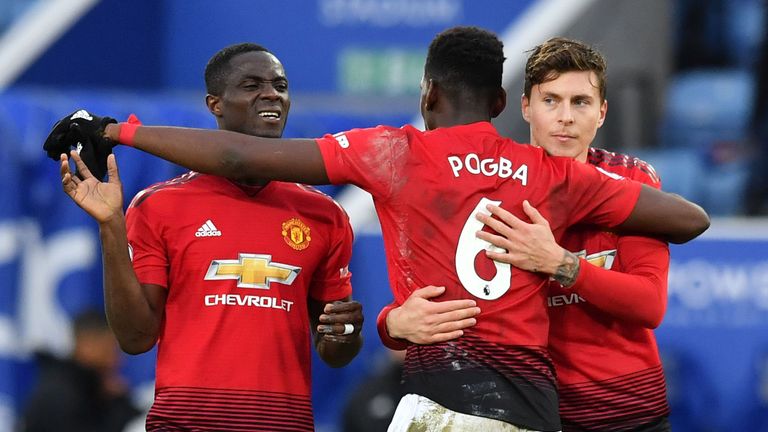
(341, 321)
(422, 321)
(103, 201)
(528, 246)
(83, 132)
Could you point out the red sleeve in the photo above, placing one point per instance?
(367, 158)
(147, 250)
(332, 279)
(642, 278)
(598, 197)
(381, 326)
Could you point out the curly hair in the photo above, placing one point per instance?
(466, 59)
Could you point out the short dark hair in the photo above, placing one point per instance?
(218, 67)
(559, 55)
(465, 59)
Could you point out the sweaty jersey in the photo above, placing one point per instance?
(239, 263)
(427, 187)
(608, 367)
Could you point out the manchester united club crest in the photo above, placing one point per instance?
(296, 234)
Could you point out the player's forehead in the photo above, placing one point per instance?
(259, 65)
(570, 84)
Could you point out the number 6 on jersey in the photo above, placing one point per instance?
(466, 251)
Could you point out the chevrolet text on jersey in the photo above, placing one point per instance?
(564, 300)
(248, 300)
(488, 167)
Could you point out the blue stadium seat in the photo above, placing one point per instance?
(680, 170)
(707, 115)
(744, 30)
(706, 106)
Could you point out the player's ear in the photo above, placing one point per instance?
(603, 111)
(431, 94)
(214, 104)
(525, 107)
(500, 103)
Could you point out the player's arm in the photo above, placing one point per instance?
(230, 154)
(638, 294)
(665, 215)
(591, 195)
(336, 320)
(336, 328)
(134, 311)
(423, 321)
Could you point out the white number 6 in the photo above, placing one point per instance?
(466, 251)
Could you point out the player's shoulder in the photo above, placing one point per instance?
(376, 136)
(624, 165)
(151, 193)
(311, 196)
(379, 130)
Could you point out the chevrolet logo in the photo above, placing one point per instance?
(252, 271)
(602, 259)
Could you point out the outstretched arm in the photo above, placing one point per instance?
(230, 154)
(134, 310)
(238, 156)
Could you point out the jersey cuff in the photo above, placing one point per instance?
(634, 195)
(327, 148)
(585, 270)
(381, 327)
(152, 278)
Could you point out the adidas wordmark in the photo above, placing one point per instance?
(208, 230)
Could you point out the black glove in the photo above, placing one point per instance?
(83, 132)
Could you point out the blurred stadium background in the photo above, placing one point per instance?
(682, 89)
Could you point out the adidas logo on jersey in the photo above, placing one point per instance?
(208, 230)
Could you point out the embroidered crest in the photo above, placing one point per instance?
(296, 234)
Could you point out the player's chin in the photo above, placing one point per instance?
(269, 130)
(569, 150)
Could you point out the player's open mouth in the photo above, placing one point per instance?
(270, 115)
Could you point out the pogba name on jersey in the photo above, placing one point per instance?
(489, 167)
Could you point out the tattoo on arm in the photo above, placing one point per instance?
(568, 270)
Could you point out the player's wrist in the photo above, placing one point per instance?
(112, 132)
(123, 132)
(390, 326)
(568, 270)
(557, 257)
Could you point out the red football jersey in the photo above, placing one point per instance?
(239, 264)
(607, 363)
(427, 187)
